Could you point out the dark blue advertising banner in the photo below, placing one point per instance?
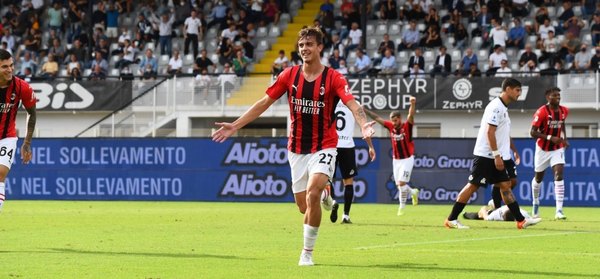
(257, 170)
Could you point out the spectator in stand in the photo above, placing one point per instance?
(74, 68)
(595, 29)
(386, 44)
(192, 26)
(465, 64)
(416, 13)
(550, 48)
(4, 46)
(362, 65)
(97, 73)
(334, 60)
(230, 32)
(567, 13)
(495, 60)
(32, 42)
(326, 6)
(582, 60)
(271, 12)
(456, 5)
(55, 16)
(99, 16)
(347, 21)
(202, 83)
(58, 50)
(9, 39)
(519, 8)
(240, 63)
(573, 25)
(27, 62)
(543, 31)
(218, 15)
(100, 62)
(569, 47)
(148, 66)
(227, 80)
(342, 69)
(49, 69)
(127, 57)
(432, 18)
(175, 66)
(528, 55)
(335, 44)
(530, 69)
(388, 63)
(296, 60)
(75, 16)
(461, 37)
(416, 72)
(388, 10)
(354, 38)
(474, 71)
(278, 64)
(79, 50)
(432, 38)
(202, 63)
(504, 71)
(552, 71)
(410, 37)
(112, 19)
(540, 16)
(247, 47)
(595, 61)
(443, 63)
(165, 33)
(498, 34)
(417, 58)
(483, 20)
(226, 49)
(516, 35)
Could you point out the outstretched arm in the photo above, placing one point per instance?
(411, 111)
(228, 129)
(365, 126)
(374, 116)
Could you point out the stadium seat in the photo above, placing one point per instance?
(163, 60)
(114, 72)
(397, 41)
(575, 82)
(262, 32)
(544, 66)
(381, 29)
(285, 18)
(590, 82)
(403, 56)
(212, 33)
(63, 73)
(394, 29)
(483, 54)
(511, 52)
(429, 56)
(450, 41)
(421, 27)
(372, 43)
(476, 42)
(551, 11)
(188, 59)
(275, 32)
(403, 68)
(577, 10)
(515, 66)
(87, 72)
(370, 28)
(214, 58)
(263, 45)
(456, 55)
(150, 45)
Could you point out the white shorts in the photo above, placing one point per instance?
(544, 159)
(403, 169)
(8, 151)
(499, 213)
(112, 32)
(304, 165)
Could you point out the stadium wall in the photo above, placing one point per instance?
(256, 170)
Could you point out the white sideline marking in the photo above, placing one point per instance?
(462, 240)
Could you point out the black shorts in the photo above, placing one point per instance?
(484, 172)
(346, 161)
(511, 168)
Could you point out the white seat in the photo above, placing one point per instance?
(163, 60)
(381, 29)
(262, 32)
(394, 29)
(214, 58)
(150, 45)
(483, 54)
(275, 32)
(63, 73)
(114, 72)
(87, 72)
(372, 43)
(428, 55)
(188, 59)
(263, 45)
(576, 82)
(370, 28)
(456, 55)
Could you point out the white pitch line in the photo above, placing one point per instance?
(462, 240)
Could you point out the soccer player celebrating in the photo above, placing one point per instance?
(404, 148)
(548, 127)
(346, 159)
(313, 91)
(13, 92)
(492, 149)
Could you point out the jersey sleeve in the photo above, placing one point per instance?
(340, 87)
(388, 124)
(538, 117)
(495, 117)
(281, 84)
(27, 96)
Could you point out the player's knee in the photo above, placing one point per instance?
(312, 196)
(302, 208)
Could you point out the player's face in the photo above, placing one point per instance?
(7, 68)
(397, 121)
(309, 49)
(513, 93)
(553, 98)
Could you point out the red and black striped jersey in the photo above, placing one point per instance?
(402, 142)
(550, 122)
(312, 107)
(17, 92)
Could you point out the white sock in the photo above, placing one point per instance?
(310, 237)
(559, 194)
(403, 195)
(2, 196)
(535, 191)
(346, 217)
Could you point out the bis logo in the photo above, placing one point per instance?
(462, 89)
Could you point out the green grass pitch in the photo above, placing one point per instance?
(57, 239)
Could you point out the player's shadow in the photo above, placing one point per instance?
(459, 270)
(150, 254)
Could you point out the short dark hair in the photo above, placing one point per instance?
(395, 114)
(311, 32)
(4, 54)
(510, 82)
(551, 90)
